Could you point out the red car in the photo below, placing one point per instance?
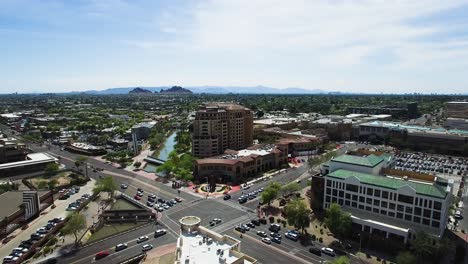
(101, 255)
(137, 197)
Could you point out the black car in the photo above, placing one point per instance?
(315, 251)
(240, 229)
(255, 222)
(227, 197)
(276, 240)
(250, 225)
(242, 200)
(161, 200)
(140, 190)
(263, 221)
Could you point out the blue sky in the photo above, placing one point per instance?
(348, 46)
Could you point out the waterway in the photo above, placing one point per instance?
(168, 147)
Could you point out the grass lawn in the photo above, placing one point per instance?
(110, 230)
(122, 204)
(167, 259)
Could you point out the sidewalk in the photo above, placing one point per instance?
(46, 215)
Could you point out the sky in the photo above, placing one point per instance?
(382, 46)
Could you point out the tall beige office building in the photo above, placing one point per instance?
(221, 126)
(457, 109)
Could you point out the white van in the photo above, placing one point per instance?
(458, 215)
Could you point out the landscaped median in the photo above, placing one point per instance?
(111, 230)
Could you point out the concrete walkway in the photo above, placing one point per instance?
(47, 214)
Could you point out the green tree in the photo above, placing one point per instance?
(271, 192)
(423, 246)
(42, 185)
(80, 160)
(52, 183)
(341, 260)
(338, 221)
(406, 257)
(76, 223)
(298, 215)
(51, 169)
(137, 164)
(291, 187)
(106, 184)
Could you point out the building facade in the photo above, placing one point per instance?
(221, 126)
(457, 109)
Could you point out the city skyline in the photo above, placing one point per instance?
(359, 47)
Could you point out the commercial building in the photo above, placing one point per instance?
(197, 244)
(456, 123)
(142, 131)
(85, 149)
(457, 109)
(389, 206)
(221, 126)
(234, 165)
(11, 150)
(33, 162)
(419, 137)
(401, 110)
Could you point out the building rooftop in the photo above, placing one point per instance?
(33, 158)
(83, 146)
(368, 161)
(428, 189)
(412, 128)
(10, 202)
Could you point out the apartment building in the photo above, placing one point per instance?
(387, 205)
(221, 126)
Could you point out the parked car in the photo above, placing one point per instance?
(262, 233)
(178, 199)
(328, 251)
(274, 227)
(160, 232)
(277, 240)
(147, 247)
(215, 221)
(315, 251)
(123, 186)
(291, 236)
(255, 222)
(263, 221)
(249, 224)
(245, 227)
(152, 196)
(10, 259)
(227, 197)
(137, 197)
(101, 255)
(240, 229)
(142, 239)
(120, 247)
(266, 240)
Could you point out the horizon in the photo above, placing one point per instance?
(371, 47)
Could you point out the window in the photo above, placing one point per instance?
(335, 192)
(385, 194)
(391, 214)
(417, 219)
(352, 188)
(436, 215)
(384, 204)
(377, 193)
(354, 204)
(409, 210)
(437, 205)
(327, 198)
(405, 199)
(340, 202)
(399, 215)
(354, 197)
(407, 217)
(361, 199)
(369, 191)
(383, 212)
(435, 224)
(334, 200)
(377, 202)
(368, 208)
(368, 201)
(417, 210)
(425, 221)
(376, 210)
(347, 202)
(427, 213)
(341, 194)
(361, 207)
(391, 206)
(328, 191)
(400, 208)
(430, 204)
(348, 196)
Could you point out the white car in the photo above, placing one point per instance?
(328, 251)
(147, 247)
(142, 239)
(266, 240)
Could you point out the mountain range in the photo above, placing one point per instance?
(213, 90)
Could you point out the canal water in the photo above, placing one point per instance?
(168, 147)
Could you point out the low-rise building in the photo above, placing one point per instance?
(234, 165)
(197, 244)
(11, 150)
(142, 131)
(456, 123)
(85, 149)
(390, 206)
(34, 162)
(457, 109)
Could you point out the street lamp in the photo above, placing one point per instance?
(360, 241)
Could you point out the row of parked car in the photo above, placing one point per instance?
(64, 194)
(26, 245)
(250, 196)
(78, 202)
(157, 203)
(426, 163)
(123, 246)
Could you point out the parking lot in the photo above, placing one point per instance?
(432, 164)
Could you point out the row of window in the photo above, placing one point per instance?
(400, 215)
(385, 194)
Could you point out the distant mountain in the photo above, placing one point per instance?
(176, 90)
(139, 90)
(213, 90)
